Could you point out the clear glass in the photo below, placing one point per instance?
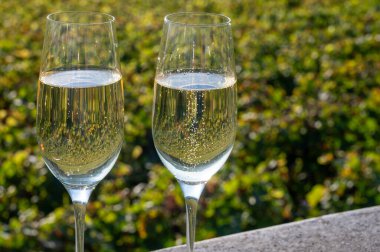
(194, 108)
(80, 104)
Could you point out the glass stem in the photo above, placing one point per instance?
(192, 192)
(191, 219)
(80, 213)
(79, 196)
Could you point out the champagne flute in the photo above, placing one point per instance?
(194, 108)
(80, 104)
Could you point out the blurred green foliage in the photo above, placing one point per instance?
(309, 112)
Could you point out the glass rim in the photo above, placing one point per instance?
(224, 20)
(107, 17)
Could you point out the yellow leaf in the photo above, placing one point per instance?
(277, 194)
(11, 122)
(19, 157)
(325, 159)
(3, 114)
(137, 151)
(346, 172)
(315, 195)
(22, 53)
(123, 170)
(141, 227)
(110, 217)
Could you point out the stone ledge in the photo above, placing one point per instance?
(355, 231)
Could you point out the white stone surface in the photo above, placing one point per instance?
(355, 231)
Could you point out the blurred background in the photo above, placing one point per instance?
(307, 144)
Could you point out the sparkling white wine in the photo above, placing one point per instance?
(194, 123)
(80, 123)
